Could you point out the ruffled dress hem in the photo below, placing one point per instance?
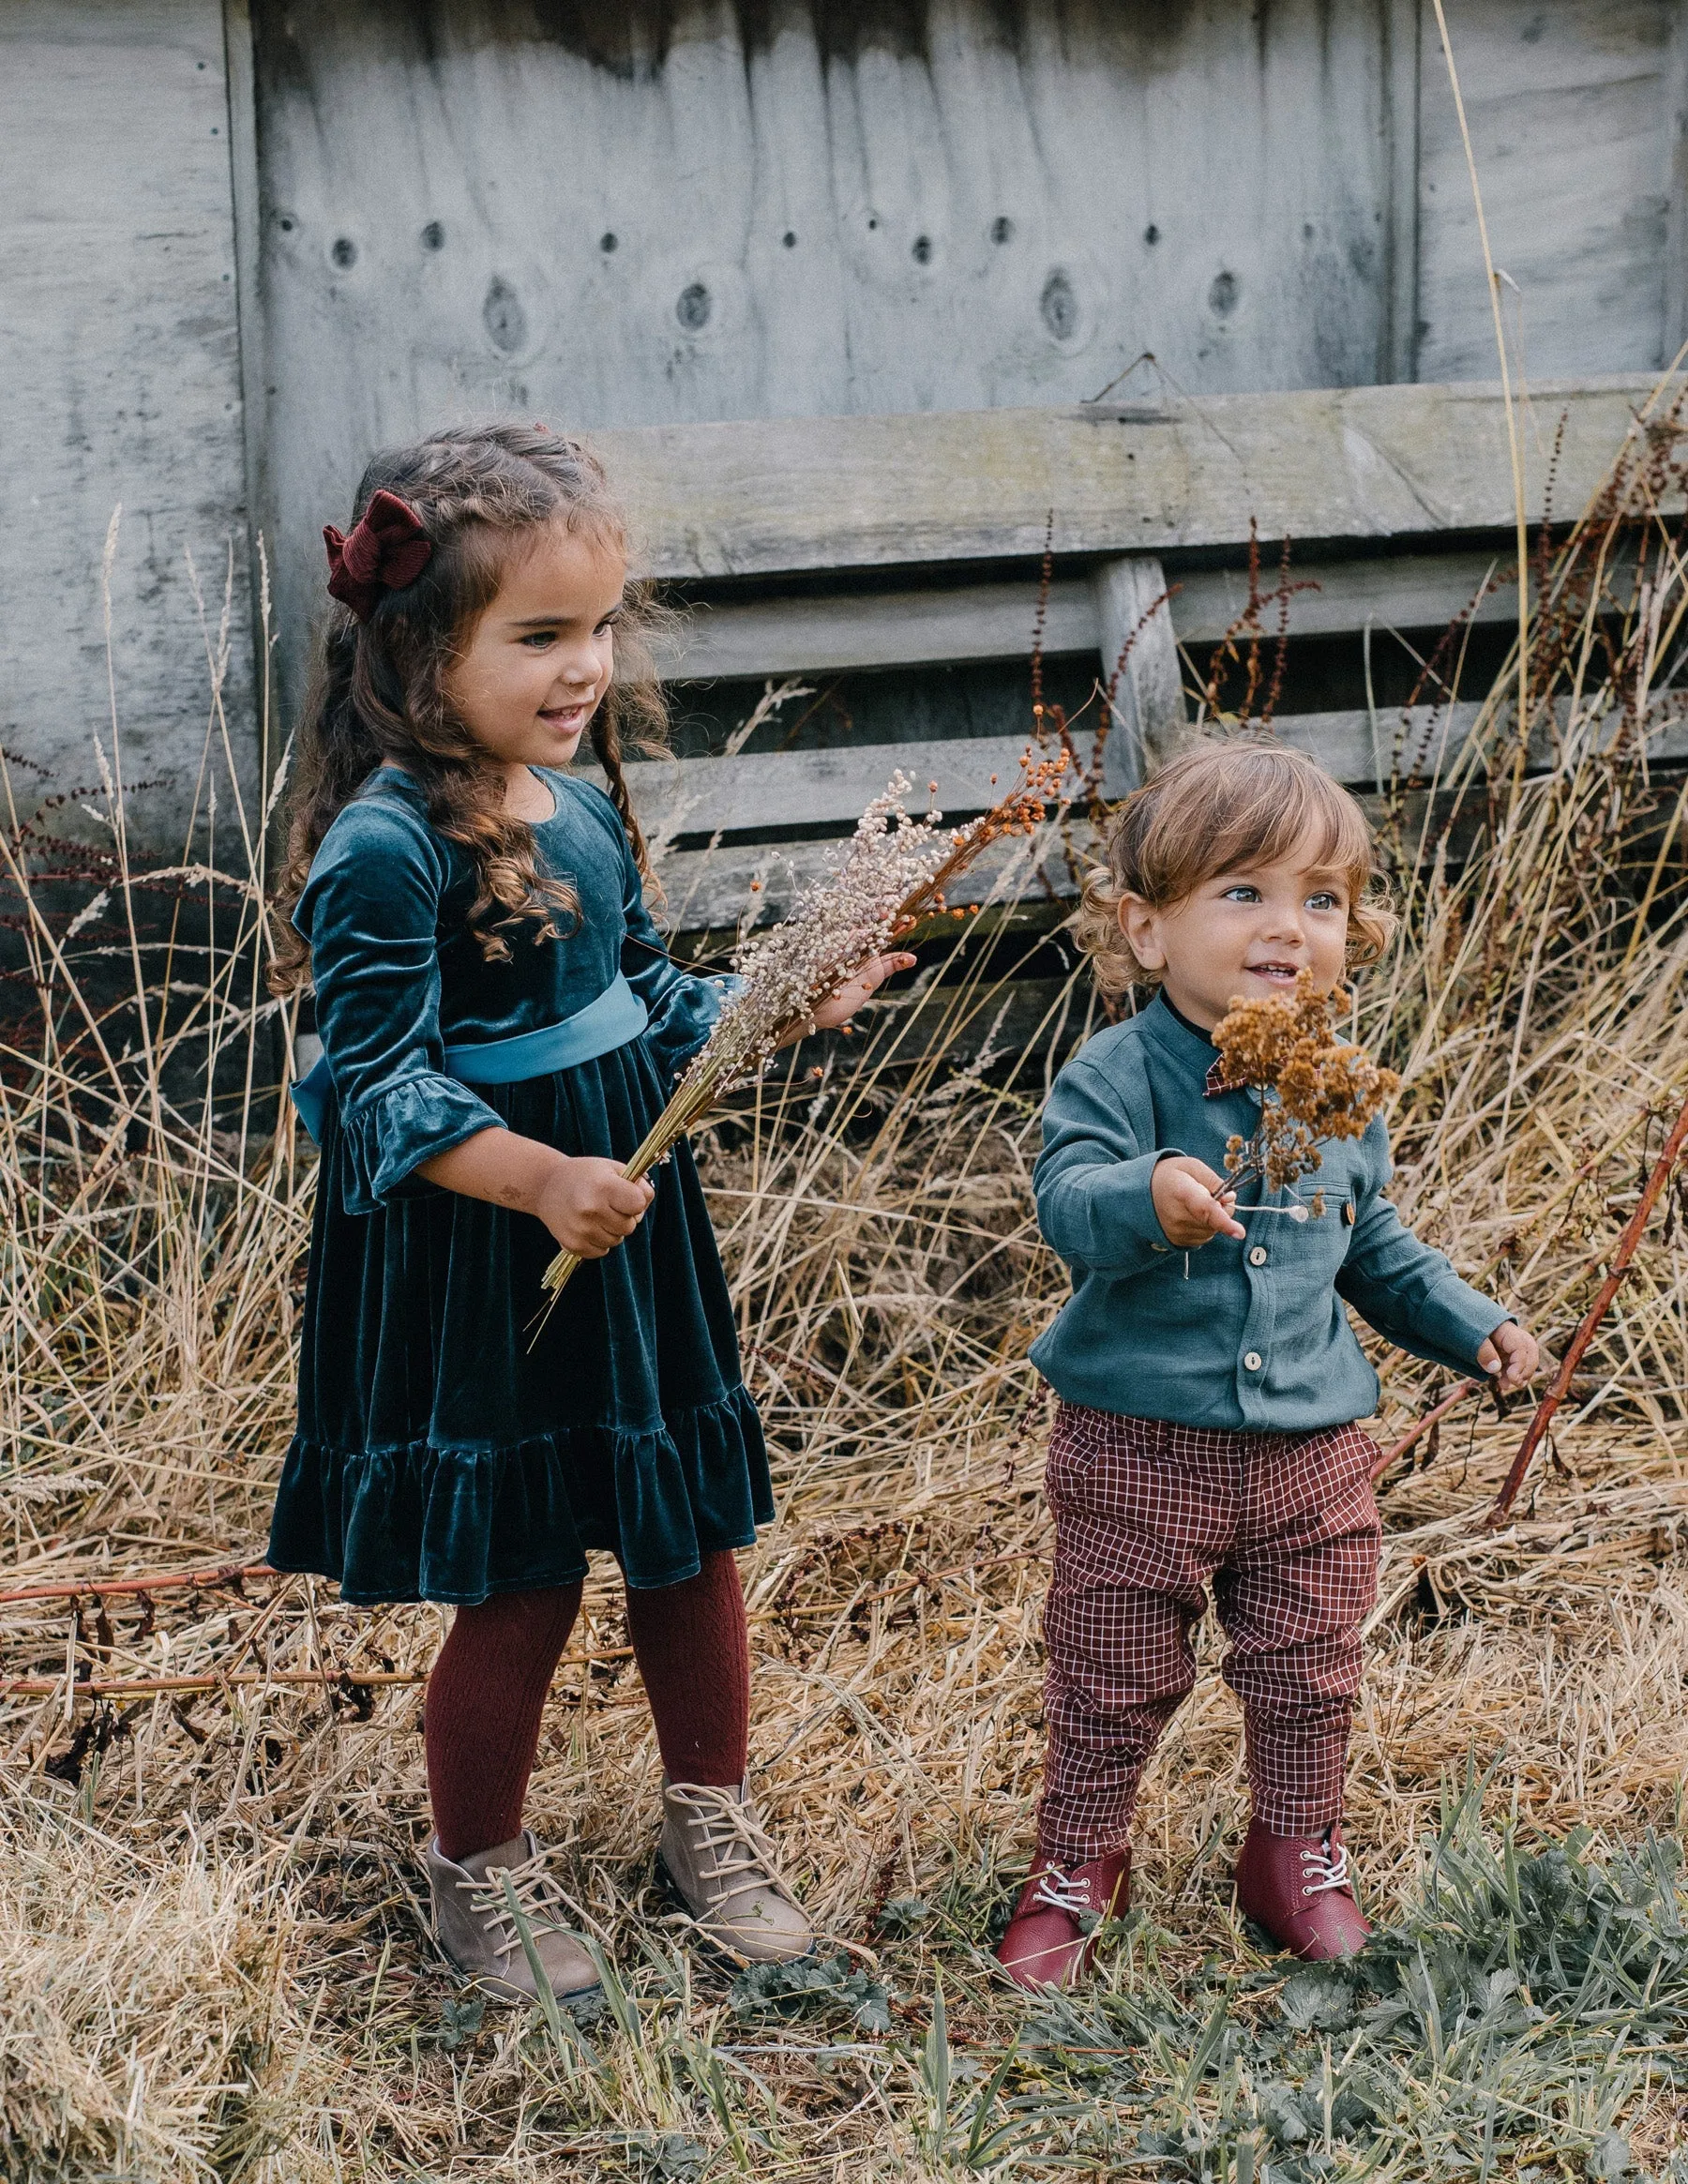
(458, 1524)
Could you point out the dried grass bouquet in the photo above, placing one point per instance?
(891, 878)
(1313, 1085)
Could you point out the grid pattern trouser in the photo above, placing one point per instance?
(1284, 1526)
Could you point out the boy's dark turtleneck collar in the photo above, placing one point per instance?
(1177, 1017)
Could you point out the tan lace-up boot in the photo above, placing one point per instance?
(723, 1868)
(472, 1921)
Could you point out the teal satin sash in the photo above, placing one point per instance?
(615, 1016)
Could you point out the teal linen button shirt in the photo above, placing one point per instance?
(1248, 1336)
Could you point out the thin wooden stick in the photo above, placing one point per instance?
(1579, 1341)
(317, 1678)
(1416, 1433)
(154, 1686)
(147, 1686)
(107, 1588)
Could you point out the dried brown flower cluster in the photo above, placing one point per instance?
(891, 880)
(1313, 1084)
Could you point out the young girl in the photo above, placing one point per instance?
(1208, 1378)
(500, 1027)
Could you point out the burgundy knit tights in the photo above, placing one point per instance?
(487, 1693)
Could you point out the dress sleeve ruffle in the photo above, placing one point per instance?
(683, 1014)
(390, 1133)
(369, 911)
(683, 1007)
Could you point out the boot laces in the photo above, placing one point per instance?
(538, 1897)
(1063, 1891)
(741, 1858)
(1322, 1872)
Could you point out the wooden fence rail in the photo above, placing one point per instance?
(1397, 501)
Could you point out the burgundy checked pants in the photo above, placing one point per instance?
(1285, 1527)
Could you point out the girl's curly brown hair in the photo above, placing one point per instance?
(1221, 803)
(377, 692)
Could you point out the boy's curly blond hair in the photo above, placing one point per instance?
(1221, 805)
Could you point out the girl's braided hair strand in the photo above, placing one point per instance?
(377, 692)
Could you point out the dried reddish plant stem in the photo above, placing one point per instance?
(1634, 1229)
(1416, 1432)
(340, 1679)
(168, 1581)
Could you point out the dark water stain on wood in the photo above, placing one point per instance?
(634, 40)
(503, 318)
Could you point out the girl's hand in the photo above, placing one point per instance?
(840, 1007)
(1511, 1353)
(589, 1205)
(1183, 1190)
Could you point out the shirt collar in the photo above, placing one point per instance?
(1186, 1045)
(1177, 1037)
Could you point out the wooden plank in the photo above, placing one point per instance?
(1403, 34)
(831, 787)
(729, 884)
(816, 211)
(730, 796)
(1001, 1017)
(1408, 591)
(119, 381)
(1570, 111)
(249, 287)
(723, 639)
(1674, 335)
(1139, 663)
(788, 494)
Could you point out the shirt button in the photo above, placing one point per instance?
(1253, 1360)
(1257, 1255)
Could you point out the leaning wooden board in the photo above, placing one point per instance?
(725, 795)
(724, 881)
(799, 634)
(788, 495)
(119, 383)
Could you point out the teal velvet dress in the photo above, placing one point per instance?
(443, 1453)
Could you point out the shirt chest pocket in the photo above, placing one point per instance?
(1313, 1249)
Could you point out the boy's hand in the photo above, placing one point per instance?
(589, 1205)
(1183, 1190)
(1511, 1353)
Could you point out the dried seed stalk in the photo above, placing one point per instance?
(1313, 1085)
(891, 877)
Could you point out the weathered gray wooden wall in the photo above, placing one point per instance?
(616, 213)
(119, 382)
(1577, 110)
(627, 215)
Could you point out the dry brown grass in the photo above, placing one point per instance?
(213, 1957)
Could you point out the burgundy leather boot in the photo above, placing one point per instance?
(1300, 1889)
(1045, 1945)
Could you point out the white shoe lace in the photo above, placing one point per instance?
(723, 1826)
(1062, 1892)
(1320, 1872)
(538, 1897)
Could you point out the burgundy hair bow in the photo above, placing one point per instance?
(385, 550)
